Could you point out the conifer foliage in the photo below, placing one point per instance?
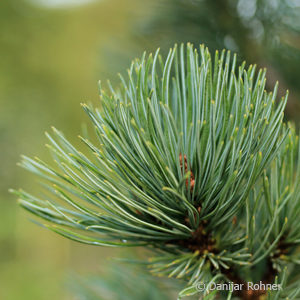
(193, 161)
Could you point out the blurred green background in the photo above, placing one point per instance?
(53, 52)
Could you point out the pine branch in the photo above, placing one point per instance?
(191, 154)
